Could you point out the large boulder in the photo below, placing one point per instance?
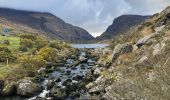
(28, 88)
(121, 49)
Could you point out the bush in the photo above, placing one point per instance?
(28, 36)
(47, 53)
(5, 54)
(40, 43)
(58, 45)
(31, 63)
(6, 42)
(23, 48)
(27, 42)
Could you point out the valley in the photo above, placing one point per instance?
(44, 58)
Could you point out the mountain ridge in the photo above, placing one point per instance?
(122, 24)
(47, 23)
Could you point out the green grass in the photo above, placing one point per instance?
(14, 41)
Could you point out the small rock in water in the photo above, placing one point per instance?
(78, 78)
(83, 66)
(58, 80)
(74, 68)
(50, 84)
(67, 82)
(68, 72)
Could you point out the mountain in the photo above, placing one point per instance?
(139, 65)
(46, 23)
(121, 24)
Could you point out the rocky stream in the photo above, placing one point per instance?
(64, 82)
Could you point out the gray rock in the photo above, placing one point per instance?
(50, 84)
(147, 38)
(158, 49)
(121, 49)
(28, 88)
(57, 92)
(144, 40)
(42, 70)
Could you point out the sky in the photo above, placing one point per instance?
(92, 15)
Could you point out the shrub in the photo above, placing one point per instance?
(5, 54)
(28, 36)
(40, 43)
(47, 53)
(6, 42)
(27, 42)
(31, 63)
(23, 48)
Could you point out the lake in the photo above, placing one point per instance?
(89, 46)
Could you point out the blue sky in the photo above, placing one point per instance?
(93, 15)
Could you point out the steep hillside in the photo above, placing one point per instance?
(140, 63)
(121, 25)
(47, 24)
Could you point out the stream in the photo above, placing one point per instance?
(65, 81)
(62, 75)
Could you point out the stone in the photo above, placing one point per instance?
(50, 84)
(121, 49)
(158, 48)
(142, 59)
(144, 40)
(67, 82)
(27, 88)
(68, 72)
(78, 78)
(42, 70)
(58, 80)
(57, 92)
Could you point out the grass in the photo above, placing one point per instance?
(5, 71)
(14, 41)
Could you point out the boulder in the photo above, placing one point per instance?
(57, 92)
(27, 88)
(121, 49)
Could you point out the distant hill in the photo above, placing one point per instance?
(121, 24)
(46, 23)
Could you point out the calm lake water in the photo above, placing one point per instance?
(89, 46)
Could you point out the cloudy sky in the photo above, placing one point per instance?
(93, 15)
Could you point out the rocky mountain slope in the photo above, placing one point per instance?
(121, 25)
(139, 63)
(45, 23)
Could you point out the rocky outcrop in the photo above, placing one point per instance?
(121, 49)
(28, 88)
